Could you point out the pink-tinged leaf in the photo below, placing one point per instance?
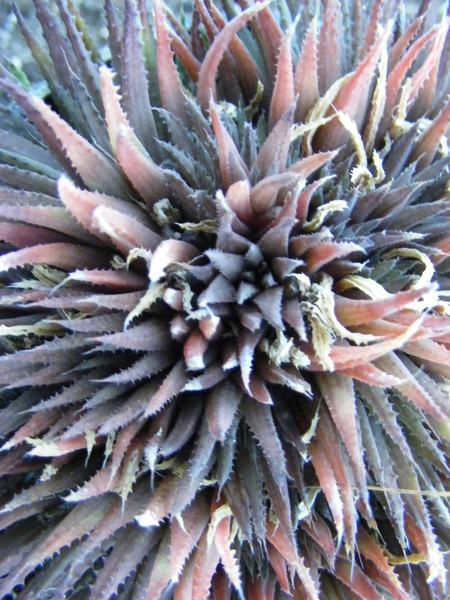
(198, 467)
(339, 395)
(306, 82)
(293, 315)
(263, 196)
(113, 279)
(26, 102)
(261, 589)
(269, 303)
(269, 35)
(227, 554)
(232, 167)
(420, 533)
(211, 327)
(306, 166)
(246, 483)
(382, 581)
(56, 218)
(136, 98)
(260, 420)
(247, 70)
(23, 236)
(84, 301)
(221, 588)
(219, 291)
(275, 241)
(206, 558)
(369, 373)
(351, 99)
(328, 484)
(371, 28)
(169, 253)
(184, 427)
(221, 406)
(425, 78)
(330, 48)
(258, 390)
(404, 40)
(411, 388)
(185, 533)
(150, 336)
(179, 327)
(170, 87)
(35, 425)
(428, 143)
(230, 265)
(278, 563)
(273, 155)
(206, 84)
(190, 63)
(97, 171)
(278, 539)
(143, 368)
(249, 316)
(357, 312)
(100, 483)
(170, 387)
(353, 576)
(288, 376)
(238, 199)
(282, 267)
(325, 252)
(210, 378)
(397, 75)
(304, 197)
(114, 114)
(160, 575)
(122, 413)
(372, 551)
(183, 589)
(61, 255)
(432, 325)
(160, 504)
(231, 232)
(82, 203)
(145, 176)
(122, 443)
(320, 532)
(230, 85)
(351, 356)
(283, 94)
(194, 350)
(124, 232)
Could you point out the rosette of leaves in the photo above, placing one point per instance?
(224, 281)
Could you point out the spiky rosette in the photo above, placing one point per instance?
(225, 333)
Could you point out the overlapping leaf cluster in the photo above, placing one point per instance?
(225, 333)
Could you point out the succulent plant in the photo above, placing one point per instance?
(225, 332)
